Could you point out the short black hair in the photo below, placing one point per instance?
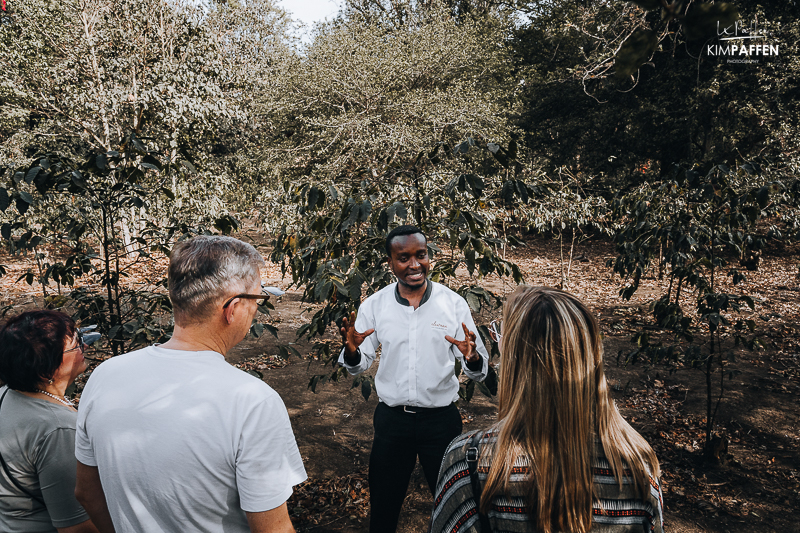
(402, 231)
(32, 348)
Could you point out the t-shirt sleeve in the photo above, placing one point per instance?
(84, 451)
(268, 463)
(57, 469)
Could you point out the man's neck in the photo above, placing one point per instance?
(413, 295)
(196, 338)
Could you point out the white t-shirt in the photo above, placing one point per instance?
(183, 441)
(417, 363)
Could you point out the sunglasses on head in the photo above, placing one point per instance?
(86, 337)
(496, 330)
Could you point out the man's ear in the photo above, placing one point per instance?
(228, 311)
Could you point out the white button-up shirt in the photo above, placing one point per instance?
(417, 366)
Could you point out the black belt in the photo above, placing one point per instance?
(413, 409)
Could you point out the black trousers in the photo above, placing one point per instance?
(399, 438)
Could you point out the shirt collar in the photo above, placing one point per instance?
(403, 301)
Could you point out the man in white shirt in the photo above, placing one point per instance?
(423, 328)
(173, 438)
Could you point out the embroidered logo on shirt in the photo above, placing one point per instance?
(436, 325)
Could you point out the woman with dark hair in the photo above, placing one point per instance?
(41, 354)
(560, 457)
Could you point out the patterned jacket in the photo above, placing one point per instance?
(616, 511)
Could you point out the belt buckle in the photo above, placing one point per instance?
(406, 410)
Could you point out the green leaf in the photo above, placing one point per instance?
(501, 158)
(383, 221)
(512, 149)
(491, 381)
(188, 166)
(22, 205)
(32, 173)
(364, 211)
(226, 224)
(257, 329)
(26, 197)
(272, 329)
(313, 382)
(77, 179)
(634, 52)
(703, 20)
(313, 197)
(763, 197)
(151, 163)
(137, 144)
(366, 389)
(469, 390)
(473, 301)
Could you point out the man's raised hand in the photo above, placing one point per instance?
(350, 337)
(467, 346)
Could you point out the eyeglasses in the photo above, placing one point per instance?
(262, 297)
(81, 345)
(495, 330)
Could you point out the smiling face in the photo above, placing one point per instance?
(409, 260)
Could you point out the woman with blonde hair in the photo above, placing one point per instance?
(560, 458)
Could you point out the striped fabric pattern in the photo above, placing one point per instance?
(616, 511)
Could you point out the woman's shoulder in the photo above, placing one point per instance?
(35, 414)
(459, 448)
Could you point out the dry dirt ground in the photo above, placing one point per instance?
(757, 490)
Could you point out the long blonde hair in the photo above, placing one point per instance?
(554, 406)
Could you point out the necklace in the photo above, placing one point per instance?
(58, 399)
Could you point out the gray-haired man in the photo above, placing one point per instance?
(173, 438)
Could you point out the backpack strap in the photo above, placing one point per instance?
(472, 455)
(5, 466)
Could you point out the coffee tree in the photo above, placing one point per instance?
(338, 253)
(73, 209)
(691, 229)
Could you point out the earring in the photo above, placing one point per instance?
(50, 382)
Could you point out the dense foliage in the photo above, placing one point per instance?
(125, 125)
